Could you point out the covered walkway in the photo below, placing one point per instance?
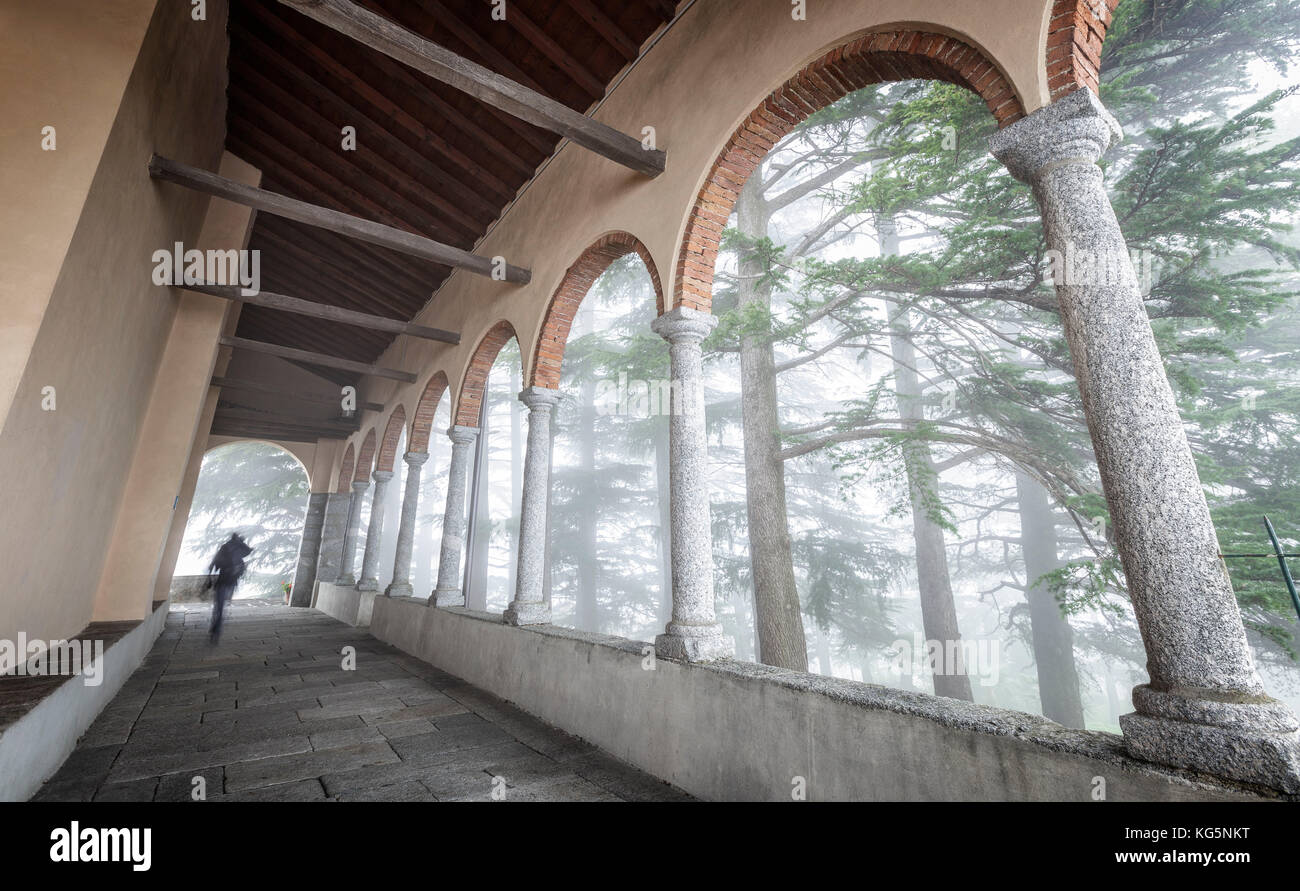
(425, 185)
(271, 715)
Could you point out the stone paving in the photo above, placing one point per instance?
(271, 715)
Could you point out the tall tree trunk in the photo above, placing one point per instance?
(516, 474)
(938, 612)
(588, 517)
(550, 542)
(481, 536)
(1053, 640)
(1112, 698)
(824, 653)
(665, 522)
(781, 639)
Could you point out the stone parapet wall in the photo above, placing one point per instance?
(739, 731)
(190, 589)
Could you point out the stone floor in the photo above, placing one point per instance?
(270, 714)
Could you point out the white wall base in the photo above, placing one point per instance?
(34, 747)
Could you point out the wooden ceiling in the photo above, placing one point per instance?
(429, 159)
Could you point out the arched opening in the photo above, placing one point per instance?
(391, 449)
(259, 490)
(346, 468)
(610, 569)
(365, 468)
(489, 401)
(878, 57)
(888, 285)
(429, 435)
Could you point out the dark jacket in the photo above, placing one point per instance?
(229, 562)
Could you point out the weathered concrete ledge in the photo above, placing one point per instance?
(190, 589)
(33, 746)
(345, 603)
(738, 731)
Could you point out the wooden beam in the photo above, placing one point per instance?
(271, 420)
(443, 65)
(313, 215)
(284, 352)
(284, 302)
(221, 427)
(229, 383)
(426, 137)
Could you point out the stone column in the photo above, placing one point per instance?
(309, 551)
(401, 584)
(346, 576)
(375, 534)
(529, 606)
(448, 591)
(331, 537)
(694, 633)
(1204, 707)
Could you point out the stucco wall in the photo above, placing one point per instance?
(739, 731)
(64, 64)
(155, 486)
(104, 330)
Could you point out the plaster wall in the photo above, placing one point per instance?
(64, 64)
(106, 325)
(176, 412)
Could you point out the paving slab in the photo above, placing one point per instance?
(270, 714)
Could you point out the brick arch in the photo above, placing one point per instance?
(345, 470)
(425, 409)
(578, 279)
(364, 459)
(392, 433)
(873, 58)
(472, 385)
(1074, 37)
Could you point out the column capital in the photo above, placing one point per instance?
(1076, 129)
(382, 476)
(684, 325)
(539, 397)
(460, 434)
(359, 486)
(415, 459)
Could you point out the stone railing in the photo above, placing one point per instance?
(190, 589)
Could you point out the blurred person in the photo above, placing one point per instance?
(225, 571)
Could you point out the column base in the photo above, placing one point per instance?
(1252, 739)
(399, 589)
(527, 614)
(694, 643)
(447, 597)
(368, 585)
(346, 581)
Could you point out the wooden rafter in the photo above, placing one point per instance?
(315, 215)
(285, 303)
(229, 383)
(296, 355)
(445, 66)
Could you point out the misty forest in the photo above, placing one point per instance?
(898, 448)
